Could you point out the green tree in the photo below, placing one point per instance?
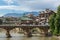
(54, 22)
(57, 22)
(51, 22)
(1, 21)
(8, 19)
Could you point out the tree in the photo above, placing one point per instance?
(54, 22)
(51, 22)
(1, 21)
(57, 21)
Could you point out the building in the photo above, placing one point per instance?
(26, 20)
(11, 20)
(44, 16)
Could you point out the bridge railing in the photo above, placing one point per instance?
(21, 25)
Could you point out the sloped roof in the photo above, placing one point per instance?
(25, 18)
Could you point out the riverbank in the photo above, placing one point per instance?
(58, 37)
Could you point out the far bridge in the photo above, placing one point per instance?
(26, 28)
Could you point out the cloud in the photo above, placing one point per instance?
(39, 4)
(32, 5)
(8, 1)
(12, 7)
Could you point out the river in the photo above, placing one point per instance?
(18, 36)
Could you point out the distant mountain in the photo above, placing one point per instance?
(13, 15)
(34, 13)
(20, 14)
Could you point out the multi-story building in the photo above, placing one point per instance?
(44, 16)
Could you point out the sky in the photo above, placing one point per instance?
(20, 6)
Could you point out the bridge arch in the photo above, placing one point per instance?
(2, 29)
(26, 28)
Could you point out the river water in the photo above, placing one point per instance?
(18, 36)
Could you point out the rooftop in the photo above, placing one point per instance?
(25, 18)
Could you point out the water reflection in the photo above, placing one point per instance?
(17, 36)
(27, 38)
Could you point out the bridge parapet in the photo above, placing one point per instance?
(8, 25)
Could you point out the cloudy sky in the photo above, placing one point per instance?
(20, 6)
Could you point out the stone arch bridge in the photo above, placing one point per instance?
(26, 28)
